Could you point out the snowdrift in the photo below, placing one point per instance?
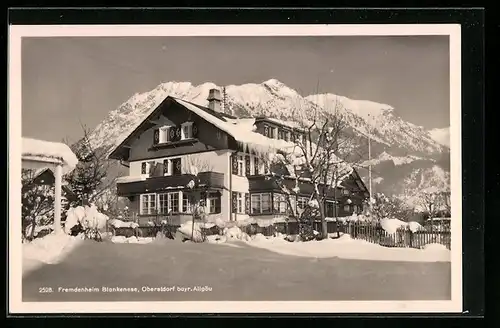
(347, 248)
(50, 249)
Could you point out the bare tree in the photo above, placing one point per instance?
(431, 201)
(446, 201)
(194, 166)
(389, 207)
(323, 154)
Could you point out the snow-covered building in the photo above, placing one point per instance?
(39, 155)
(179, 142)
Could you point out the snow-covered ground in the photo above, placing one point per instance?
(347, 248)
(50, 249)
(343, 247)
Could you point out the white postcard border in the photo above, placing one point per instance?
(16, 305)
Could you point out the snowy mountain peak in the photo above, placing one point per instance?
(392, 138)
(274, 83)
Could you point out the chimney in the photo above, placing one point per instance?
(214, 100)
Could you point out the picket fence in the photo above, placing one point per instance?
(369, 232)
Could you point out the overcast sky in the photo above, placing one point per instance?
(70, 80)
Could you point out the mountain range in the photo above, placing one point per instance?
(402, 153)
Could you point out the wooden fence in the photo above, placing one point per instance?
(369, 232)
(403, 237)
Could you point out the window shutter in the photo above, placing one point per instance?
(176, 166)
(247, 203)
(171, 134)
(234, 201)
(266, 130)
(256, 166)
(218, 203)
(165, 167)
(247, 165)
(156, 136)
(143, 168)
(194, 130)
(234, 164)
(178, 133)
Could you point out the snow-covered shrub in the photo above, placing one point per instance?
(191, 232)
(258, 237)
(86, 219)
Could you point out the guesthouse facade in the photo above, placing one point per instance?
(183, 152)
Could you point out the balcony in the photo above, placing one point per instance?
(210, 180)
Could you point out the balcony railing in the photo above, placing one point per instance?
(213, 180)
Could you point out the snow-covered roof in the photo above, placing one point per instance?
(49, 152)
(290, 124)
(241, 132)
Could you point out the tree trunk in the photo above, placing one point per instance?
(324, 226)
(192, 227)
(32, 232)
(335, 210)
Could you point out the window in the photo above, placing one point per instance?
(241, 165)
(173, 202)
(148, 204)
(356, 209)
(302, 202)
(168, 202)
(187, 131)
(166, 167)
(213, 202)
(261, 203)
(256, 166)
(330, 208)
(163, 203)
(187, 201)
(164, 134)
(345, 192)
(238, 202)
(280, 134)
(279, 203)
(241, 202)
(347, 208)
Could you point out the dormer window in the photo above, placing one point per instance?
(187, 130)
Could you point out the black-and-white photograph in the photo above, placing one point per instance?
(214, 167)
